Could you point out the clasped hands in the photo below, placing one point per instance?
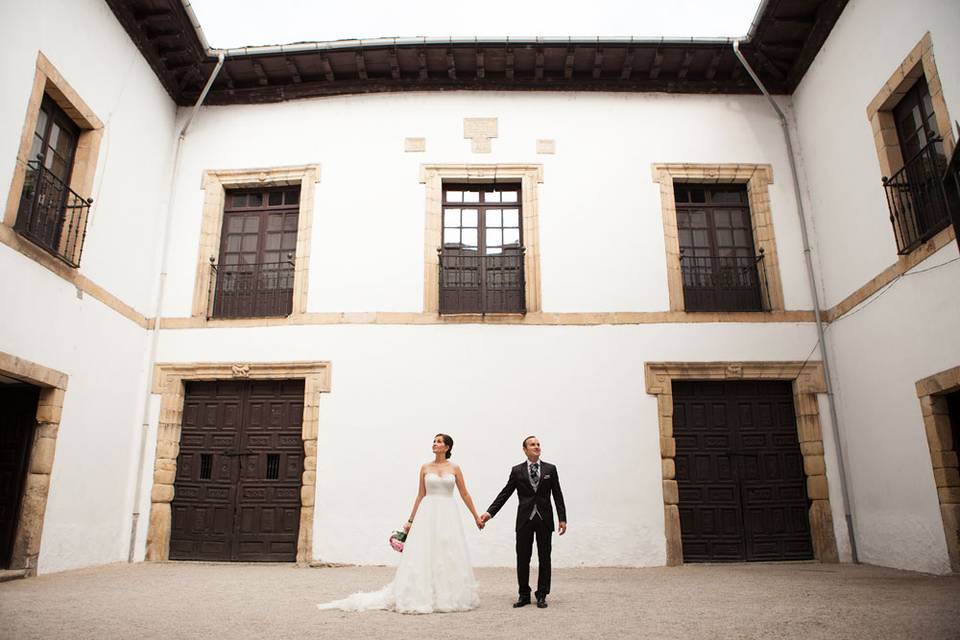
(484, 517)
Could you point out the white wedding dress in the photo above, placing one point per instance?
(434, 574)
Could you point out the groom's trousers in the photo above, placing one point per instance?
(525, 535)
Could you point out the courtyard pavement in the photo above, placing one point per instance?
(234, 601)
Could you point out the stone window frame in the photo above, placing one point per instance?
(168, 382)
(919, 62)
(931, 392)
(48, 81)
(757, 178)
(36, 488)
(215, 183)
(433, 176)
(807, 379)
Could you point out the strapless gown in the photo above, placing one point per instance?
(434, 574)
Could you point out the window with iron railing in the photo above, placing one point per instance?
(51, 215)
(720, 269)
(481, 259)
(915, 194)
(254, 276)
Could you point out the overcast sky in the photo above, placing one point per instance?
(237, 23)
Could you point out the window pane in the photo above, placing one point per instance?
(451, 236)
(273, 241)
(724, 237)
(289, 242)
(698, 219)
(290, 222)
(251, 224)
(42, 122)
(511, 236)
(233, 243)
(276, 198)
(491, 196)
(451, 218)
(249, 243)
(509, 196)
(471, 196)
(723, 218)
(700, 238)
(740, 237)
(494, 218)
(698, 195)
(494, 237)
(239, 200)
(469, 218)
(255, 200)
(511, 217)
(234, 224)
(274, 222)
(454, 196)
(470, 238)
(293, 196)
(35, 148)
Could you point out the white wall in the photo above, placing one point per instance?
(910, 332)
(579, 389)
(601, 227)
(44, 319)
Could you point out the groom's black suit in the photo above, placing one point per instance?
(540, 525)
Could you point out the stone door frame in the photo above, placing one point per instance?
(807, 379)
(169, 382)
(36, 488)
(932, 393)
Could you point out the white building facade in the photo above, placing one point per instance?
(274, 313)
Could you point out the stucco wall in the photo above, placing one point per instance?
(45, 320)
(908, 333)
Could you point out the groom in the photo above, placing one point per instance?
(533, 481)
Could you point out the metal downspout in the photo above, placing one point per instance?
(847, 511)
(154, 338)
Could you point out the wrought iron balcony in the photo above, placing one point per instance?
(475, 283)
(916, 197)
(52, 215)
(712, 283)
(252, 290)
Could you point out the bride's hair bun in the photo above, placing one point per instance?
(447, 440)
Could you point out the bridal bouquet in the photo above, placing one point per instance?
(397, 539)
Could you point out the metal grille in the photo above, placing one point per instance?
(273, 466)
(917, 199)
(252, 290)
(206, 465)
(52, 215)
(723, 283)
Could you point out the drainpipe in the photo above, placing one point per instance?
(844, 481)
(155, 335)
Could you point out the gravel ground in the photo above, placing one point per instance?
(198, 601)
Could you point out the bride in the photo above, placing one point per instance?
(434, 574)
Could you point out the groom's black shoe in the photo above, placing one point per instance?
(522, 602)
(541, 602)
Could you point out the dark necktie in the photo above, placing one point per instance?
(535, 473)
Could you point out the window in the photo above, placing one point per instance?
(255, 273)
(720, 268)
(482, 256)
(51, 214)
(915, 193)
(913, 138)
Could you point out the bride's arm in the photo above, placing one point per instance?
(467, 500)
(416, 505)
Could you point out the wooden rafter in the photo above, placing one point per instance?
(509, 64)
(361, 66)
(261, 74)
(327, 69)
(422, 62)
(568, 64)
(714, 64)
(597, 63)
(627, 68)
(451, 65)
(294, 71)
(538, 71)
(481, 71)
(394, 65)
(685, 65)
(655, 65)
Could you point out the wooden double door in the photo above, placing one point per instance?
(740, 472)
(237, 488)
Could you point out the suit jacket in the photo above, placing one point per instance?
(519, 481)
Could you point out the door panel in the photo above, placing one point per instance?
(18, 410)
(740, 472)
(237, 494)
